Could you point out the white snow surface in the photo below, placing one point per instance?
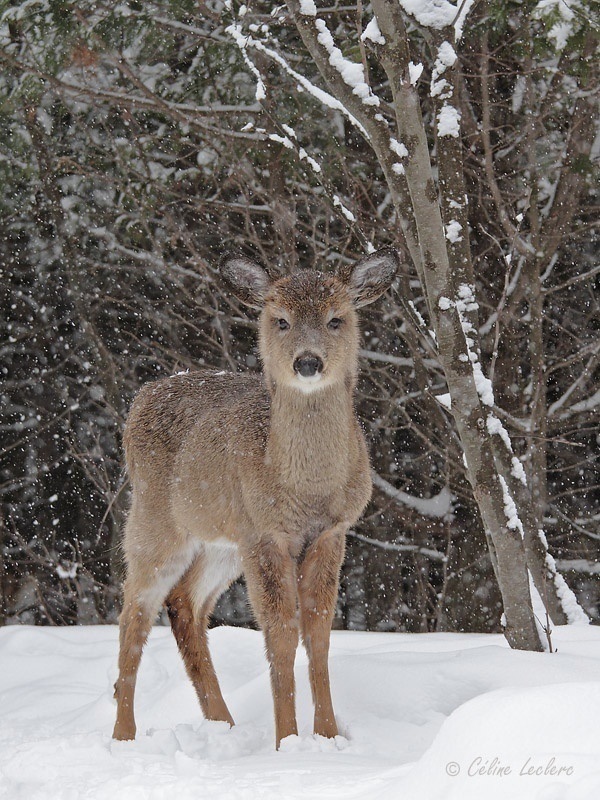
(429, 716)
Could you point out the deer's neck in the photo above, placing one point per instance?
(310, 436)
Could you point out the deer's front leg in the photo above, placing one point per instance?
(271, 580)
(318, 579)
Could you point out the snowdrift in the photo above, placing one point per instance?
(423, 716)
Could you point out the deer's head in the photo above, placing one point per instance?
(308, 324)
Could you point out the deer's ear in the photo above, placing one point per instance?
(246, 279)
(371, 276)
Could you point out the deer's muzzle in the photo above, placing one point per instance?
(308, 365)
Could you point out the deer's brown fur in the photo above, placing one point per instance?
(260, 475)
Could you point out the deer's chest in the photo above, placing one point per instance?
(299, 517)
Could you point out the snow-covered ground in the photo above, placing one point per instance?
(423, 716)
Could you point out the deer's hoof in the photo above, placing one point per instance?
(123, 733)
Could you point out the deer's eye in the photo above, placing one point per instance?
(335, 323)
(282, 324)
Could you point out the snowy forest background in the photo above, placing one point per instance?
(139, 141)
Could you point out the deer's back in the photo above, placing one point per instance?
(201, 405)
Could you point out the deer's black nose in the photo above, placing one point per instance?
(308, 365)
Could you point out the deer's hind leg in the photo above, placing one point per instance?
(189, 605)
(150, 576)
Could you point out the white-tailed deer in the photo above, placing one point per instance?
(254, 474)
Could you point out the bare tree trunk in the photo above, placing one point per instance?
(447, 271)
(450, 308)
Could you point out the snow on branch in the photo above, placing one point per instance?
(439, 14)
(562, 13)
(446, 57)
(287, 142)
(581, 565)
(465, 303)
(513, 521)
(585, 405)
(448, 121)
(308, 8)
(321, 95)
(290, 142)
(398, 361)
(437, 506)
(448, 117)
(345, 211)
(495, 427)
(433, 555)
(235, 31)
(352, 73)
(589, 404)
(575, 614)
(372, 33)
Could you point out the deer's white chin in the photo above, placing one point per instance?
(309, 384)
